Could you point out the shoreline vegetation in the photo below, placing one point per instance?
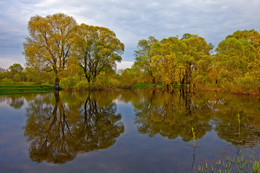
(64, 54)
(34, 89)
(25, 89)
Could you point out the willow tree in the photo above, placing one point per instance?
(96, 48)
(196, 50)
(49, 43)
(180, 59)
(237, 60)
(164, 61)
(143, 56)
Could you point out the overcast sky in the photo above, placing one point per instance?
(131, 20)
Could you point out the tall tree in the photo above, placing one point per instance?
(96, 48)
(174, 58)
(164, 60)
(143, 56)
(235, 57)
(196, 49)
(49, 43)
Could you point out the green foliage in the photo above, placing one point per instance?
(143, 58)
(148, 86)
(7, 81)
(96, 48)
(129, 78)
(69, 82)
(234, 67)
(60, 51)
(18, 89)
(256, 167)
(56, 43)
(241, 163)
(82, 85)
(38, 76)
(106, 80)
(102, 81)
(49, 43)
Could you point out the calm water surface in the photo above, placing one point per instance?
(126, 131)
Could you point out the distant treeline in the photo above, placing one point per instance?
(58, 51)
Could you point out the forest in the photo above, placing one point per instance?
(66, 55)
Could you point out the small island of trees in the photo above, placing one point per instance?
(61, 53)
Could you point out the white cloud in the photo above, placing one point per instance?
(6, 62)
(124, 64)
(134, 20)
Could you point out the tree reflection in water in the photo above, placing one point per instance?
(173, 115)
(234, 118)
(190, 116)
(14, 101)
(60, 127)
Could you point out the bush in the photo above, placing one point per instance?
(248, 83)
(82, 85)
(69, 82)
(101, 81)
(104, 80)
(7, 81)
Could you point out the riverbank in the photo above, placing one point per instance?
(24, 89)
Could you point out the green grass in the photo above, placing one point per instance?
(242, 163)
(20, 89)
(256, 166)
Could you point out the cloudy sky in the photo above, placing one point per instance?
(131, 20)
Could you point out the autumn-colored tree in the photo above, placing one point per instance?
(196, 49)
(38, 75)
(175, 59)
(143, 57)
(164, 61)
(128, 78)
(96, 48)
(49, 43)
(251, 36)
(237, 59)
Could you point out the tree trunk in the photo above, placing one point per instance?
(57, 84)
(154, 83)
(164, 86)
(57, 97)
(172, 87)
(88, 78)
(158, 88)
(188, 87)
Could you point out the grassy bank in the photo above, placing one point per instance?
(20, 89)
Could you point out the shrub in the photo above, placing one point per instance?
(7, 81)
(69, 82)
(82, 85)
